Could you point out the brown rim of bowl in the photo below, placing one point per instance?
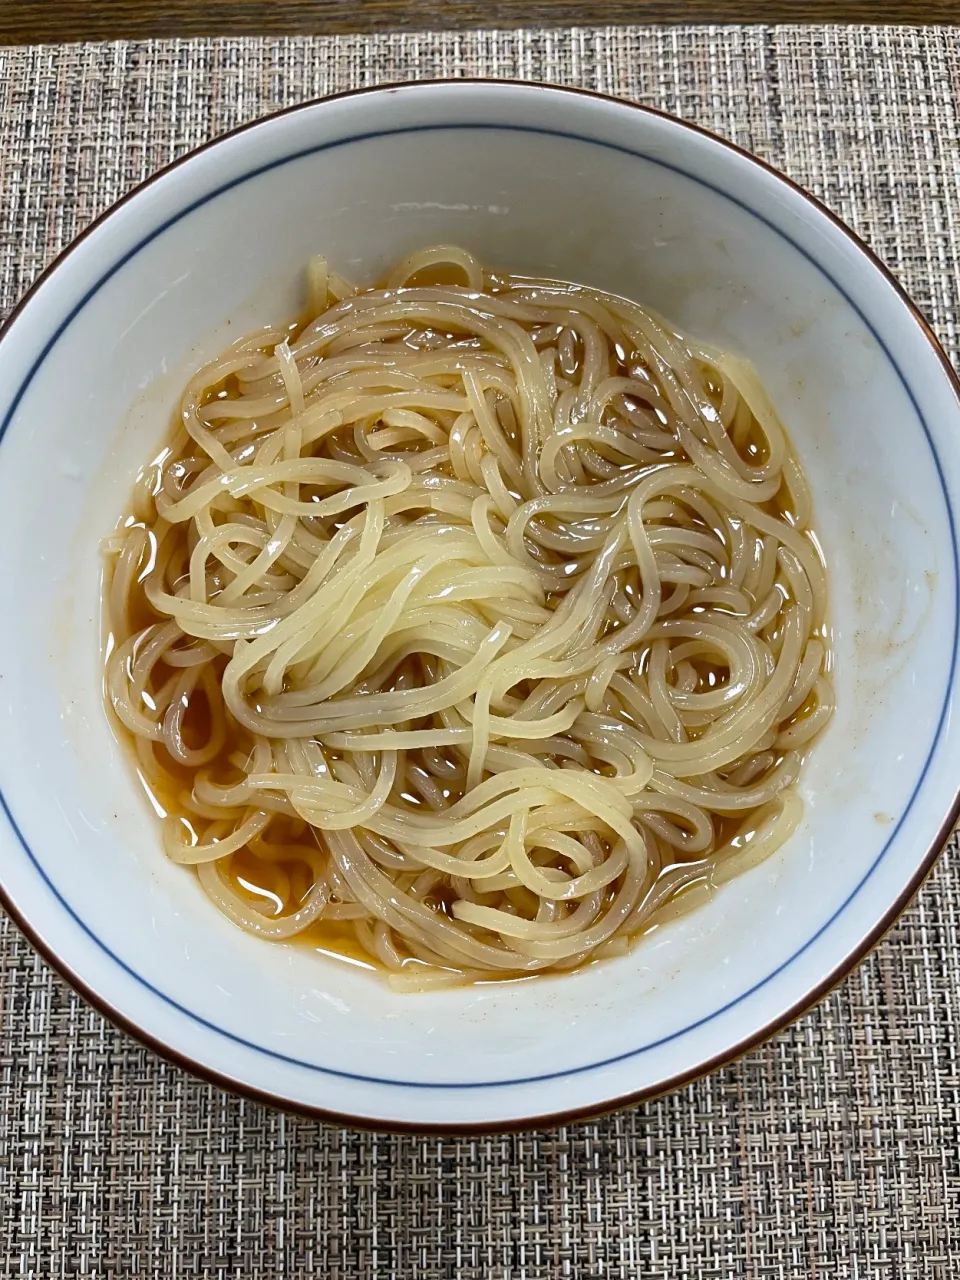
(577, 1114)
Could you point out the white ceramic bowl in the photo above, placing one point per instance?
(544, 181)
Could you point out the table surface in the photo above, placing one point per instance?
(833, 1151)
(57, 21)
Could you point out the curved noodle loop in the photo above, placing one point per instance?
(474, 622)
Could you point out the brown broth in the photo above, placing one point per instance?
(256, 878)
(285, 881)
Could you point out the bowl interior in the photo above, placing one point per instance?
(544, 183)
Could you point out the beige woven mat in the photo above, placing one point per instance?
(830, 1152)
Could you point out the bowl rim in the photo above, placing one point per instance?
(860, 950)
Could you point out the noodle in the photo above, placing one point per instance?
(478, 618)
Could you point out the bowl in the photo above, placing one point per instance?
(544, 181)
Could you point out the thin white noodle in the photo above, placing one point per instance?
(478, 610)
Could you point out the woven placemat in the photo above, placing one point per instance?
(833, 1151)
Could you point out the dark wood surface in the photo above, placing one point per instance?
(34, 21)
